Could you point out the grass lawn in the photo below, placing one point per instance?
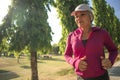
(53, 69)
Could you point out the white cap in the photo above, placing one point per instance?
(82, 7)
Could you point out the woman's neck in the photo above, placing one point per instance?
(86, 33)
(87, 29)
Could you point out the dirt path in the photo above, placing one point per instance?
(114, 72)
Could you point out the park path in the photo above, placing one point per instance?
(114, 72)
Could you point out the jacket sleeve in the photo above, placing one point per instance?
(74, 61)
(112, 49)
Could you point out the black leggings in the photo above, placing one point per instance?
(105, 76)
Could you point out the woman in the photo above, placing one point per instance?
(85, 47)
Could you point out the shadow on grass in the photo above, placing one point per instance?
(38, 61)
(52, 59)
(3, 71)
(26, 67)
(65, 72)
(57, 59)
(7, 75)
(115, 71)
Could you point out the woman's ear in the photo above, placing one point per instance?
(91, 16)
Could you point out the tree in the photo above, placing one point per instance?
(104, 17)
(4, 47)
(117, 26)
(26, 25)
(55, 49)
(64, 9)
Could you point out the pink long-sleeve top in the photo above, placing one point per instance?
(94, 48)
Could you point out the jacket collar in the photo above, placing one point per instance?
(95, 28)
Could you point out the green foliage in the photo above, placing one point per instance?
(64, 9)
(26, 25)
(64, 72)
(104, 17)
(4, 45)
(100, 12)
(55, 49)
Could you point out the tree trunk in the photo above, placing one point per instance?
(34, 70)
(18, 60)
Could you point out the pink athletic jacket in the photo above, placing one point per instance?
(93, 49)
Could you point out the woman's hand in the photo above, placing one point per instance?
(83, 64)
(106, 63)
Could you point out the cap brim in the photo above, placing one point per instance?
(73, 13)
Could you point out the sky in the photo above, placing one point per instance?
(4, 8)
(55, 25)
(53, 19)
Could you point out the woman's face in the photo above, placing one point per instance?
(83, 19)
